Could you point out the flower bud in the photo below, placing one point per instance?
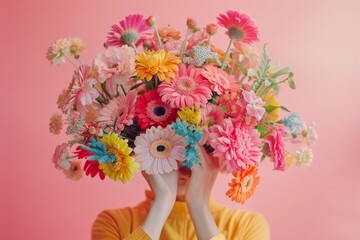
(92, 130)
(191, 24)
(211, 29)
(150, 21)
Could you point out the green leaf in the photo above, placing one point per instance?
(261, 129)
(270, 108)
(291, 83)
(285, 109)
(281, 72)
(264, 64)
(262, 158)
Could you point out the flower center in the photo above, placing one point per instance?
(185, 85)
(161, 148)
(159, 111)
(129, 38)
(247, 184)
(235, 33)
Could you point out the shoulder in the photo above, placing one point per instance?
(239, 224)
(117, 223)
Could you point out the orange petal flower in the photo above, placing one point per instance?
(243, 184)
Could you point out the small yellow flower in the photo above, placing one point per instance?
(270, 100)
(289, 160)
(161, 63)
(191, 115)
(125, 166)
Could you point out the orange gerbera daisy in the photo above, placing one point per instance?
(161, 63)
(243, 184)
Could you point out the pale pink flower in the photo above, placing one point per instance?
(132, 31)
(211, 114)
(197, 38)
(188, 89)
(277, 147)
(220, 81)
(255, 105)
(304, 156)
(58, 50)
(75, 172)
(159, 149)
(56, 123)
(240, 27)
(61, 157)
(82, 93)
(116, 65)
(119, 111)
(309, 133)
(237, 144)
(173, 46)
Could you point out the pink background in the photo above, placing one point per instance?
(319, 39)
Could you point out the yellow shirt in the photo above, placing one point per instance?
(125, 223)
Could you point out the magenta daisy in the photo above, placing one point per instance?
(237, 144)
(118, 112)
(189, 88)
(151, 111)
(159, 149)
(132, 31)
(240, 27)
(220, 81)
(81, 91)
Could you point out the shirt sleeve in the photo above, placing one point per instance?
(258, 229)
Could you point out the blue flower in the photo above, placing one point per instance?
(99, 151)
(192, 156)
(180, 127)
(293, 122)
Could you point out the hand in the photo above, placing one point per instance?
(202, 179)
(164, 187)
(198, 194)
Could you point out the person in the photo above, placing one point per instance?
(180, 206)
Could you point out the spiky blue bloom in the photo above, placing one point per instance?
(203, 53)
(180, 127)
(192, 156)
(99, 151)
(293, 122)
(193, 137)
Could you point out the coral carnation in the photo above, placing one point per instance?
(243, 184)
(56, 123)
(75, 171)
(188, 89)
(277, 146)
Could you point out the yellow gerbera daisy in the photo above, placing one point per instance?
(125, 166)
(161, 63)
(270, 100)
(191, 115)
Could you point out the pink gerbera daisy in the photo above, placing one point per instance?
(240, 27)
(119, 112)
(159, 149)
(132, 31)
(220, 81)
(81, 90)
(189, 88)
(151, 111)
(237, 144)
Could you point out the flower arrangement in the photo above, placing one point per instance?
(151, 98)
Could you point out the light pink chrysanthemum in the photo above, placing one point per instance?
(255, 105)
(240, 27)
(119, 111)
(220, 81)
(61, 157)
(173, 46)
(131, 31)
(188, 89)
(56, 123)
(237, 144)
(277, 146)
(159, 149)
(116, 66)
(82, 92)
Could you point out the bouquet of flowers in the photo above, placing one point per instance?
(151, 98)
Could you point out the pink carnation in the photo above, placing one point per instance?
(220, 81)
(61, 157)
(188, 89)
(82, 93)
(236, 143)
(119, 111)
(277, 146)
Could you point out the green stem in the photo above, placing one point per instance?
(226, 53)
(134, 47)
(72, 63)
(158, 36)
(184, 42)
(209, 40)
(123, 89)
(103, 87)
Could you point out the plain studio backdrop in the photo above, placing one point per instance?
(319, 39)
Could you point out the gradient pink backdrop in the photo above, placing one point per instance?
(319, 39)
